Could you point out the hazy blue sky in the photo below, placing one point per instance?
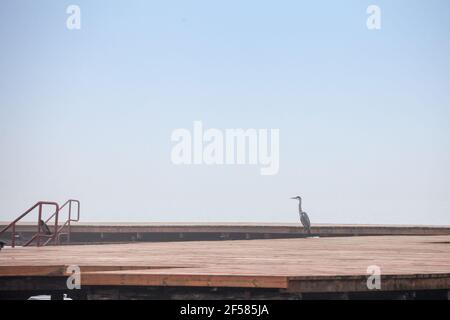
(364, 116)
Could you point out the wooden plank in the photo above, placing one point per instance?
(175, 279)
(292, 264)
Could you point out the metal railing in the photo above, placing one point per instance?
(57, 230)
(67, 224)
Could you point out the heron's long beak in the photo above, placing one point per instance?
(295, 198)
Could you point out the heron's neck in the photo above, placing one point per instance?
(300, 206)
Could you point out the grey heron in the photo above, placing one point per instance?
(304, 219)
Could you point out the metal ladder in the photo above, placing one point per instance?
(44, 234)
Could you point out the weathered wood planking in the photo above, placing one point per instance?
(310, 264)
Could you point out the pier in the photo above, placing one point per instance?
(334, 267)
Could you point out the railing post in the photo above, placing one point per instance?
(70, 218)
(13, 236)
(38, 242)
(56, 224)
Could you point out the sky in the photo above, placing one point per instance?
(363, 115)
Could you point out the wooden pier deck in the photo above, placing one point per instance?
(298, 266)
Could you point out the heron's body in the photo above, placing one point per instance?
(304, 219)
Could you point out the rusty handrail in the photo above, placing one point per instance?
(68, 221)
(38, 234)
(57, 229)
(68, 202)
